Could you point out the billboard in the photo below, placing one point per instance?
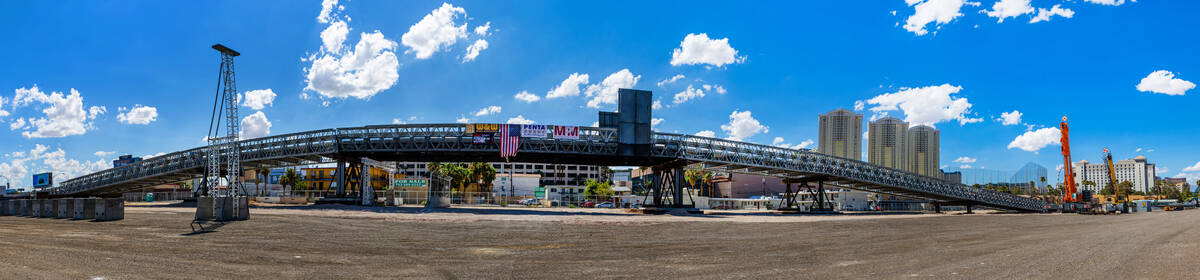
(566, 132)
(533, 131)
(43, 180)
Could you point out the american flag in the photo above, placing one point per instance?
(509, 136)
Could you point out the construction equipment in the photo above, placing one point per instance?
(1071, 200)
(1120, 203)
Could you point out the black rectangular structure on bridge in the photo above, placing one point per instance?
(634, 115)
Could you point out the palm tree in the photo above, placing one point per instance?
(260, 177)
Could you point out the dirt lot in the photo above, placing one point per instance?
(353, 242)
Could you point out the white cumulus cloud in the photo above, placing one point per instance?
(255, 125)
(1107, 2)
(482, 30)
(688, 94)
(436, 30)
(779, 142)
(17, 124)
(1044, 14)
(606, 91)
(568, 87)
(670, 80)
(259, 98)
(1193, 168)
(338, 71)
(527, 97)
(104, 153)
(1009, 8)
(933, 11)
(487, 111)
(699, 49)
(1032, 141)
(519, 119)
(64, 115)
(706, 133)
(139, 115)
(1010, 118)
(965, 160)
(926, 105)
(474, 49)
(742, 126)
(1164, 82)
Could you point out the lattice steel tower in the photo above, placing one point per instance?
(224, 103)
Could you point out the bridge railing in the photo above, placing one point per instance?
(328, 142)
(709, 149)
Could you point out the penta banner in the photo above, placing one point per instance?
(533, 131)
(566, 132)
(482, 138)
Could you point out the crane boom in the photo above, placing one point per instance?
(1069, 179)
(1112, 177)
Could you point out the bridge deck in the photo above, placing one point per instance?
(595, 146)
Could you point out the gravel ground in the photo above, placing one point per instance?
(338, 242)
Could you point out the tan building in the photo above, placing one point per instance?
(841, 134)
(886, 143)
(923, 147)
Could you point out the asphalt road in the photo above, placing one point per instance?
(156, 242)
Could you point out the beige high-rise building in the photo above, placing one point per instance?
(923, 147)
(841, 134)
(886, 143)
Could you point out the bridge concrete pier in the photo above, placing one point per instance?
(110, 209)
(85, 208)
(66, 208)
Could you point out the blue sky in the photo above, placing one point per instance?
(758, 71)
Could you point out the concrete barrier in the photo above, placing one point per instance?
(4, 207)
(22, 208)
(85, 208)
(223, 208)
(204, 208)
(48, 209)
(35, 208)
(110, 209)
(241, 208)
(66, 208)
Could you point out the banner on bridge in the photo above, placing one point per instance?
(566, 132)
(482, 128)
(482, 138)
(533, 131)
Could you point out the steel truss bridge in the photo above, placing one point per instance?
(595, 146)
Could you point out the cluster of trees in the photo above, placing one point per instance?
(597, 190)
(701, 180)
(465, 175)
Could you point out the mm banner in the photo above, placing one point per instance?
(533, 130)
(482, 138)
(566, 132)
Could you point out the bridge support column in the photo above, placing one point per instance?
(937, 207)
(85, 208)
(822, 205)
(969, 209)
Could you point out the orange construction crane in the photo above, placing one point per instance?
(1069, 184)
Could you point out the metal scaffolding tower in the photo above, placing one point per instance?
(224, 103)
